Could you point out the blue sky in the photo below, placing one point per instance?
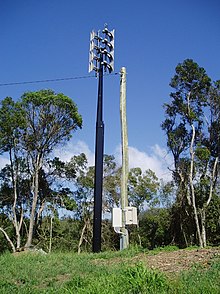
(49, 39)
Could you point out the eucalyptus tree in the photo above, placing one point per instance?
(142, 187)
(30, 129)
(111, 183)
(12, 123)
(50, 120)
(191, 137)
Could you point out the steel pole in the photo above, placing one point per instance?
(99, 148)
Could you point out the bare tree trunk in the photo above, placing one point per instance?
(203, 220)
(40, 210)
(192, 188)
(212, 181)
(34, 203)
(17, 225)
(51, 233)
(15, 222)
(82, 236)
(8, 239)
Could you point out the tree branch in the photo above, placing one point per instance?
(212, 181)
(8, 239)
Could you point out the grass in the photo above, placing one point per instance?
(92, 273)
(199, 281)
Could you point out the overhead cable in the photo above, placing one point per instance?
(50, 80)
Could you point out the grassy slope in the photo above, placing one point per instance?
(90, 273)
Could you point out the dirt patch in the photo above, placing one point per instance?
(63, 278)
(176, 261)
(171, 262)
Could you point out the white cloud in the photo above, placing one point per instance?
(158, 160)
(74, 148)
(3, 161)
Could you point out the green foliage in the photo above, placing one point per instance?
(189, 76)
(11, 124)
(50, 120)
(76, 167)
(5, 223)
(213, 223)
(29, 130)
(44, 119)
(111, 183)
(142, 187)
(203, 153)
(155, 228)
(66, 233)
(168, 248)
(192, 128)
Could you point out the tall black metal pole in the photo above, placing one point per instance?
(99, 148)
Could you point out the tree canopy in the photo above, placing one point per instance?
(29, 130)
(192, 137)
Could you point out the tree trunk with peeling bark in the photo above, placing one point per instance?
(192, 187)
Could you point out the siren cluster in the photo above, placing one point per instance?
(101, 53)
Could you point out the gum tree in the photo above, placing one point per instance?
(191, 137)
(142, 187)
(50, 120)
(12, 124)
(45, 120)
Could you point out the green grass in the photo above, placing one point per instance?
(108, 272)
(165, 249)
(199, 281)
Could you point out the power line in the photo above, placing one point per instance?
(45, 81)
(50, 80)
